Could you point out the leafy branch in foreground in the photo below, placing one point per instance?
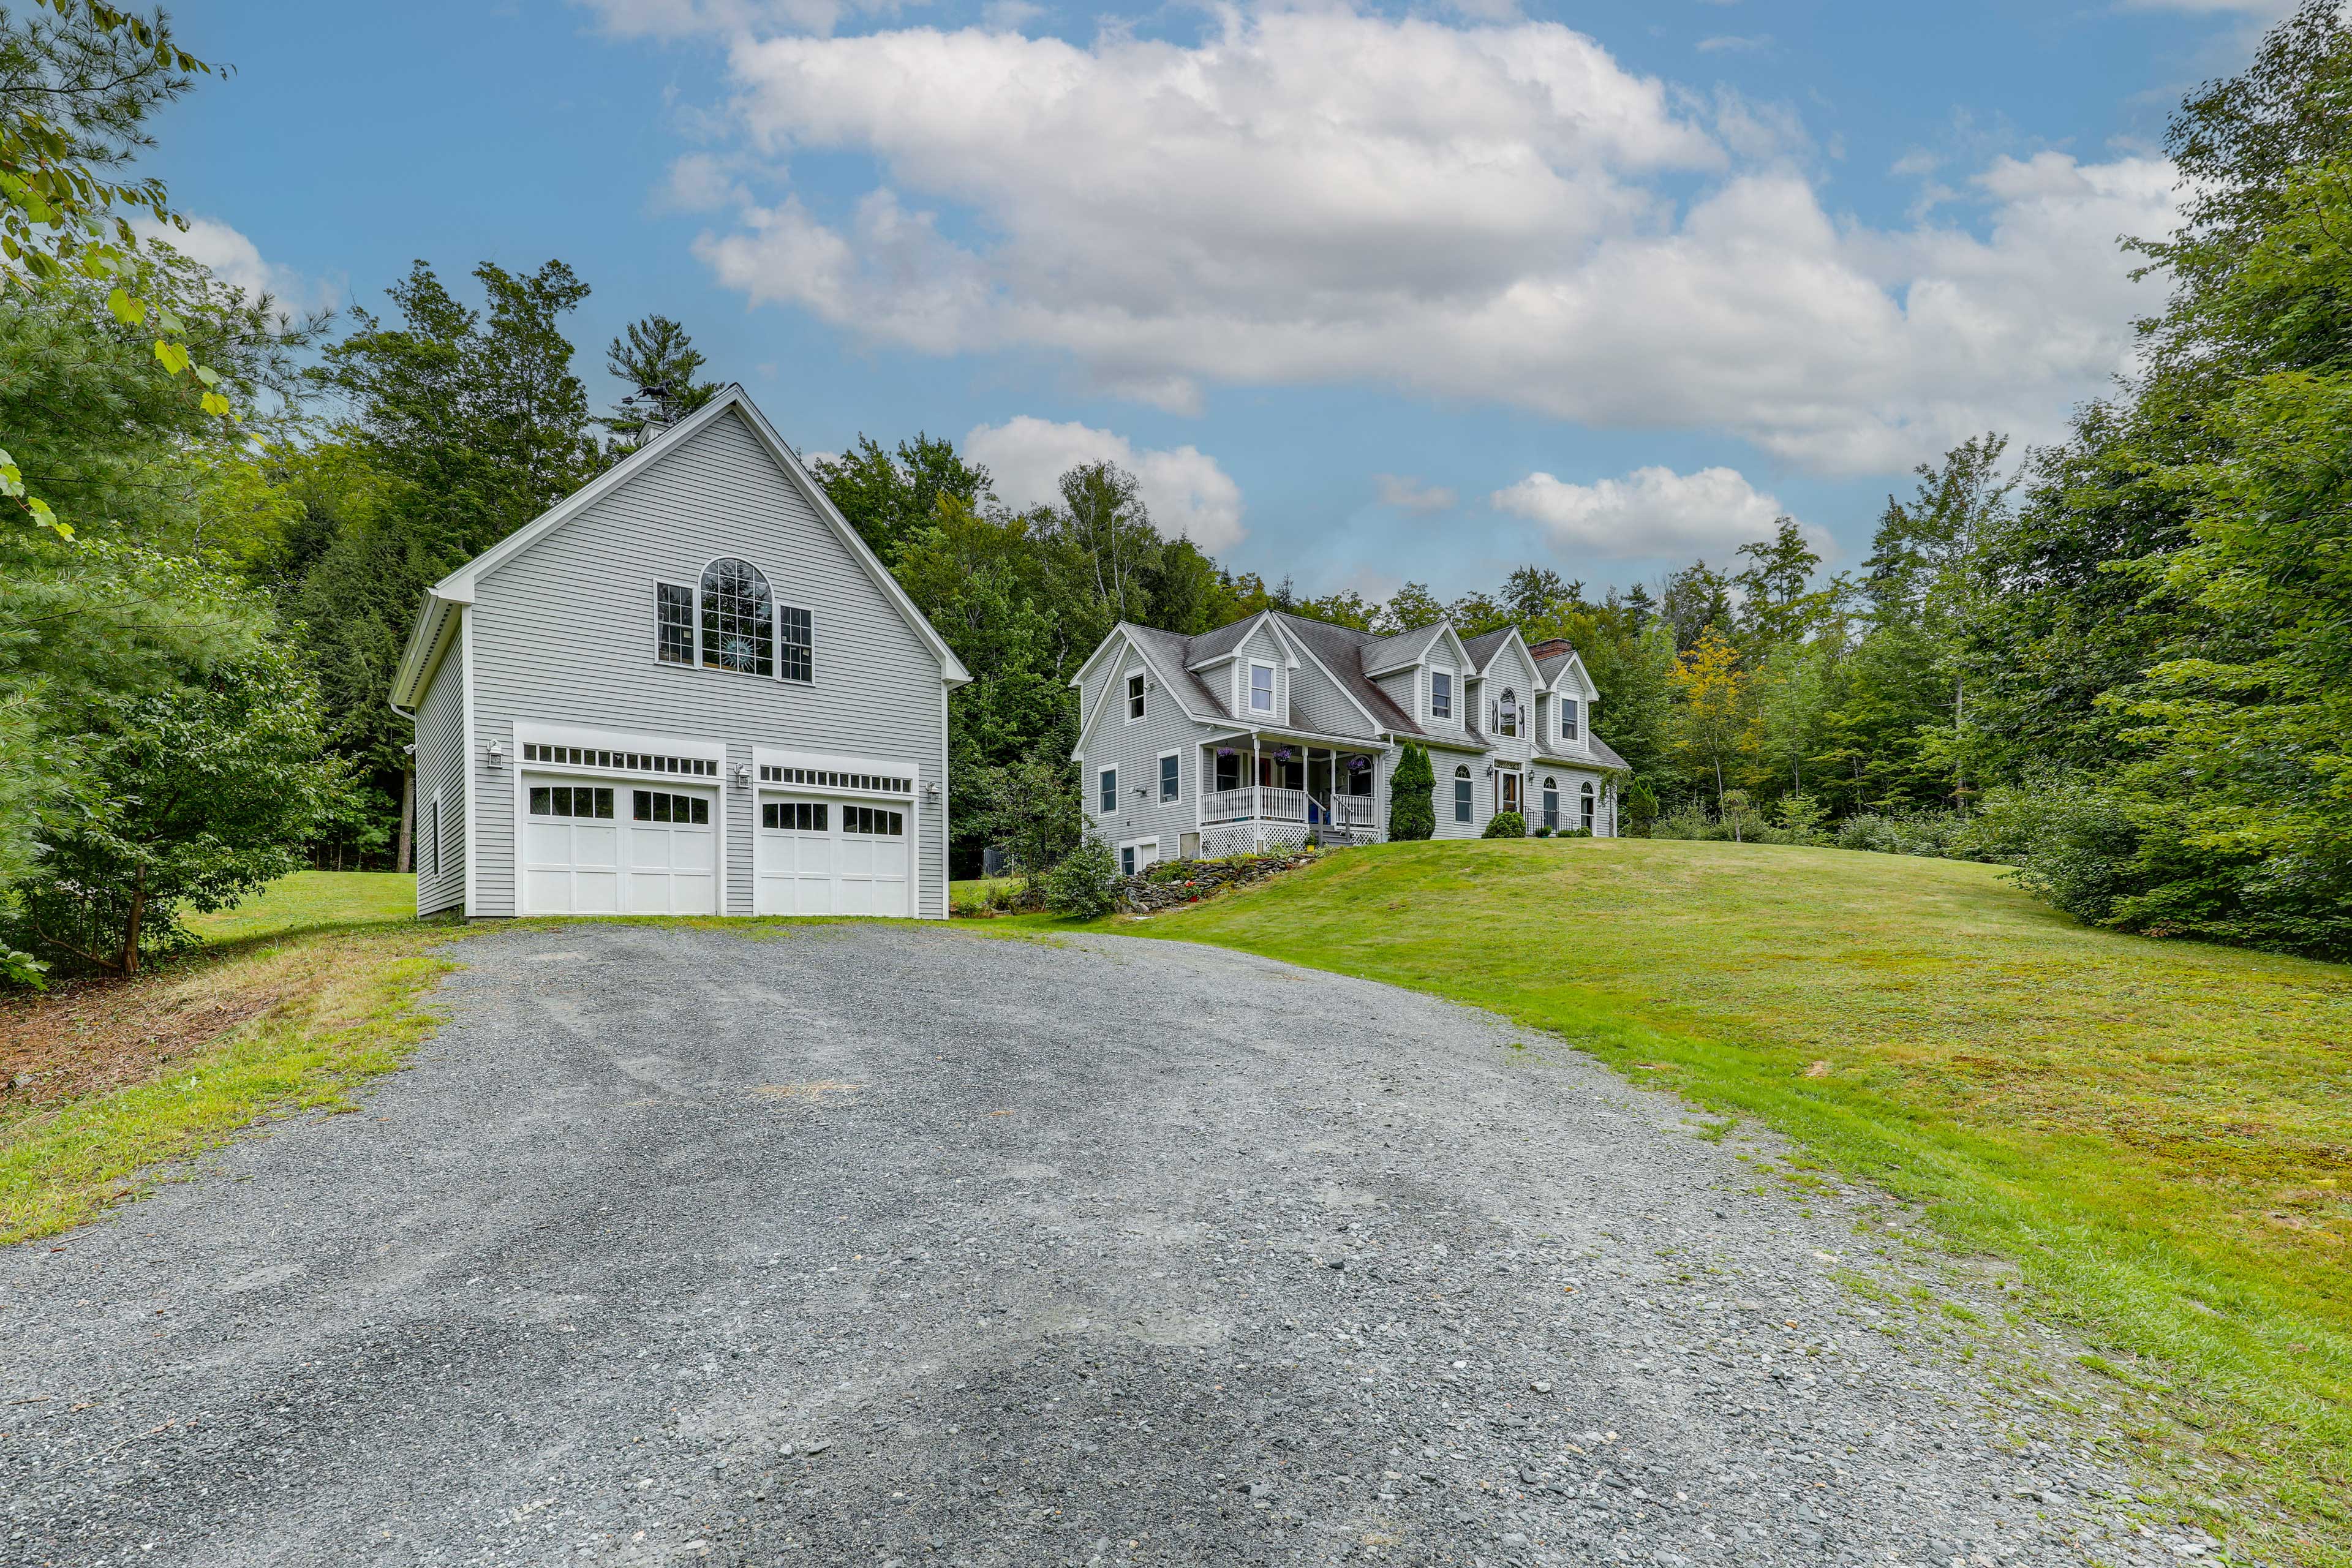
(76, 87)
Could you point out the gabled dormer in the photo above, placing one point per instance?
(1569, 694)
(1507, 689)
(1426, 673)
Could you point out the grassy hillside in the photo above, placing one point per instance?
(2159, 1134)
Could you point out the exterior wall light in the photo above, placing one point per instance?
(742, 775)
(496, 752)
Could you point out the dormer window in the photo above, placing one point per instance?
(1135, 695)
(1506, 712)
(1440, 694)
(1261, 688)
(1568, 717)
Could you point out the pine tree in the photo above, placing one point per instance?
(658, 361)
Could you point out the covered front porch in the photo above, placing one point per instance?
(1262, 788)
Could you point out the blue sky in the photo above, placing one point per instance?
(1363, 294)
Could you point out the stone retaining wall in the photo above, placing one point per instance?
(1174, 882)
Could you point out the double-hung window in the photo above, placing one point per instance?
(1135, 695)
(1261, 688)
(1109, 783)
(1171, 776)
(1440, 694)
(1568, 717)
(799, 650)
(1461, 792)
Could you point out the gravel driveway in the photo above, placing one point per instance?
(875, 1245)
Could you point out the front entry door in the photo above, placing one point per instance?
(1510, 790)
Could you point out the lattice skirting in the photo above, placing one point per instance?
(1252, 837)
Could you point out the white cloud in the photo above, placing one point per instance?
(1317, 194)
(1649, 511)
(696, 183)
(236, 261)
(1406, 493)
(1188, 491)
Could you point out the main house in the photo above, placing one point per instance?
(690, 689)
(1276, 728)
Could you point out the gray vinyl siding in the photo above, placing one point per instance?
(1318, 703)
(1404, 687)
(1133, 747)
(1482, 793)
(564, 635)
(441, 770)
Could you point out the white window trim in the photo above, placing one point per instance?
(1160, 782)
(776, 608)
(693, 624)
(1448, 715)
(1569, 705)
(1272, 686)
(433, 838)
(1112, 774)
(1134, 693)
(1143, 863)
(780, 608)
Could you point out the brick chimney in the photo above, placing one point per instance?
(1550, 648)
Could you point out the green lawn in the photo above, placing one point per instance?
(308, 900)
(2159, 1134)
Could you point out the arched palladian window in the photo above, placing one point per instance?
(1461, 792)
(1507, 720)
(1551, 803)
(738, 619)
(1587, 800)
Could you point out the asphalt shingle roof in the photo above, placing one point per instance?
(1347, 653)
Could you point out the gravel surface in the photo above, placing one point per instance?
(891, 1245)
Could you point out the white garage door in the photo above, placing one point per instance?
(673, 854)
(603, 849)
(832, 857)
(571, 851)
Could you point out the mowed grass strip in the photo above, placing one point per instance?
(337, 988)
(2158, 1133)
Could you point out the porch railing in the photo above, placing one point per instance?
(1266, 804)
(1260, 802)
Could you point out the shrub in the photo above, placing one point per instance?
(1689, 820)
(2074, 845)
(1507, 825)
(1412, 803)
(195, 798)
(1640, 809)
(1572, 833)
(1801, 816)
(1739, 816)
(1936, 833)
(1079, 886)
(1543, 833)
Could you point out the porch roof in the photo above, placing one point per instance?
(1306, 737)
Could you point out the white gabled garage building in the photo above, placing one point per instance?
(690, 689)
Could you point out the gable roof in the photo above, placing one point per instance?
(1486, 645)
(436, 623)
(1566, 672)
